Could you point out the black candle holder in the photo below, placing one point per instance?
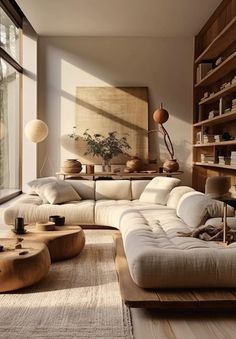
(19, 225)
(58, 220)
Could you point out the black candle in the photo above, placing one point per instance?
(19, 225)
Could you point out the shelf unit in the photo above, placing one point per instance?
(217, 39)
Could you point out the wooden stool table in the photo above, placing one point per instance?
(18, 271)
(63, 243)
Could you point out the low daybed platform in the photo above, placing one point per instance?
(135, 296)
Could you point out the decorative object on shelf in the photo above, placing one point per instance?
(72, 166)
(57, 219)
(89, 169)
(19, 225)
(160, 116)
(134, 164)
(36, 130)
(105, 147)
(226, 136)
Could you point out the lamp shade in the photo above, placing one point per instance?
(36, 130)
(160, 115)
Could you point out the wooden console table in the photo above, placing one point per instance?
(120, 175)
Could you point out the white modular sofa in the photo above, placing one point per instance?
(149, 215)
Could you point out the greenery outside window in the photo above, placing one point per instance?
(10, 97)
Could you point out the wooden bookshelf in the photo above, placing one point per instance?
(219, 119)
(223, 40)
(219, 94)
(216, 39)
(221, 143)
(229, 167)
(219, 72)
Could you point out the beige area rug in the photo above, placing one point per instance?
(78, 299)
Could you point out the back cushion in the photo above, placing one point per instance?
(85, 188)
(137, 188)
(176, 194)
(158, 189)
(113, 189)
(194, 208)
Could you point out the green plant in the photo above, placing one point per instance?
(73, 135)
(105, 147)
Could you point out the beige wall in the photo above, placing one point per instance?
(164, 65)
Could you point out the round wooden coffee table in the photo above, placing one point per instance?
(63, 243)
(17, 271)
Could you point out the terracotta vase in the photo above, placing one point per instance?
(134, 164)
(72, 166)
(170, 165)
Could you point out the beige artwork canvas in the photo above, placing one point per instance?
(108, 109)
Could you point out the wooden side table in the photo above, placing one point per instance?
(18, 271)
(63, 243)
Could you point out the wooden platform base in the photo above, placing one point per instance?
(135, 296)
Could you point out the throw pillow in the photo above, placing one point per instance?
(37, 183)
(158, 189)
(176, 194)
(57, 192)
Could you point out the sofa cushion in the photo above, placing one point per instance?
(175, 195)
(57, 192)
(194, 208)
(158, 189)
(34, 185)
(85, 188)
(159, 258)
(113, 189)
(32, 209)
(137, 187)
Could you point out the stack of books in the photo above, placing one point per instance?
(233, 158)
(233, 109)
(208, 138)
(207, 158)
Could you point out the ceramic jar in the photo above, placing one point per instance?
(134, 164)
(72, 166)
(170, 165)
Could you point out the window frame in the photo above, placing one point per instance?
(14, 12)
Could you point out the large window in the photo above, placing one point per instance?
(10, 78)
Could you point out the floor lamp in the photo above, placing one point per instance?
(160, 116)
(36, 131)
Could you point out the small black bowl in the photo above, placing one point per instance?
(57, 219)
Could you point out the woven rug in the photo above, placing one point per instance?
(78, 299)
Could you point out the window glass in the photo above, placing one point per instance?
(9, 126)
(9, 36)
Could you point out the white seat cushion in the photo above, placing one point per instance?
(32, 209)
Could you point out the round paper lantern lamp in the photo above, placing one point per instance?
(160, 115)
(36, 130)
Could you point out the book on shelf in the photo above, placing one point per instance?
(218, 138)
